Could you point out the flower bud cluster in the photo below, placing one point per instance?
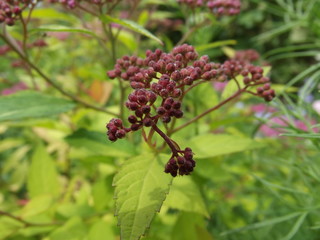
(160, 81)
(252, 76)
(182, 164)
(217, 7)
(224, 7)
(140, 101)
(116, 129)
(10, 10)
(248, 55)
(266, 92)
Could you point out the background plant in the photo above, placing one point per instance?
(57, 167)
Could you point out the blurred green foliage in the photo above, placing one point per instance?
(57, 168)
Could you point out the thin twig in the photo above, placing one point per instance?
(209, 110)
(26, 223)
(54, 84)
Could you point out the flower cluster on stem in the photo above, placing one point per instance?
(159, 83)
(217, 7)
(10, 10)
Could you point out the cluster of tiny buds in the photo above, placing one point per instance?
(116, 129)
(182, 164)
(160, 81)
(224, 7)
(217, 7)
(266, 92)
(252, 76)
(248, 55)
(140, 101)
(10, 10)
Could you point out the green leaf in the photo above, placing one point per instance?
(73, 229)
(8, 227)
(89, 143)
(301, 135)
(265, 223)
(216, 44)
(30, 104)
(185, 195)
(211, 145)
(141, 187)
(132, 26)
(295, 227)
(49, 13)
(37, 205)
(42, 177)
(101, 194)
(186, 227)
(60, 28)
(100, 231)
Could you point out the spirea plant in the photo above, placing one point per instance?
(160, 82)
(148, 98)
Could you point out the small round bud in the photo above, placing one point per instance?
(145, 109)
(161, 110)
(147, 122)
(120, 133)
(132, 119)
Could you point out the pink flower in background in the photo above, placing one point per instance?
(276, 125)
(316, 106)
(262, 108)
(15, 88)
(219, 86)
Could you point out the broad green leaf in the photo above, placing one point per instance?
(100, 231)
(73, 229)
(140, 189)
(211, 145)
(91, 143)
(101, 194)
(187, 227)
(229, 52)
(216, 44)
(42, 177)
(37, 205)
(185, 195)
(203, 233)
(60, 28)
(38, 229)
(9, 226)
(30, 104)
(69, 210)
(132, 26)
(49, 13)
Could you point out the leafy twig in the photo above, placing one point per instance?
(51, 82)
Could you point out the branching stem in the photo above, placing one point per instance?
(26, 223)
